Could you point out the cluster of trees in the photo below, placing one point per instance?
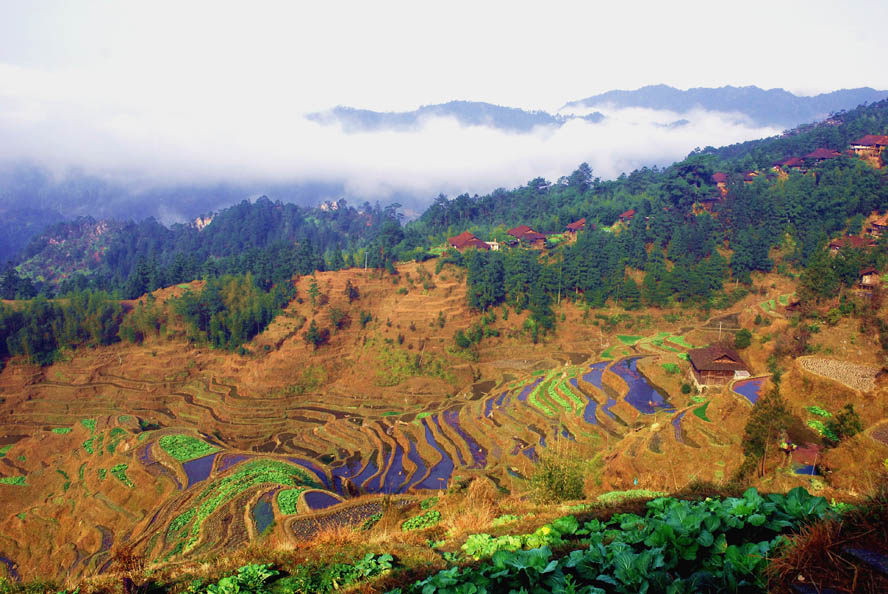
(231, 310)
(40, 328)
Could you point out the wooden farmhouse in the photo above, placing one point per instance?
(716, 365)
(782, 167)
(855, 243)
(528, 236)
(867, 280)
(627, 216)
(821, 154)
(571, 230)
(879, 227)
(465, 241)
(869, 148)
(721, 182)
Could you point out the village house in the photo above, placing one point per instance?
(465, 241)
(821, 154)
(716, 365)
(782, 167)
(627, 216)
(571, 230)
(856, 243)
(749, 176)
(525, 234)
(879, 226)
(869, 148)
(721, 182)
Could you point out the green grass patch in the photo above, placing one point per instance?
(628, 339)
(428, 503)
(822, 429)
(5, 449)
(671, 368)
(608, 354)
(700, 411)
(423, 415)
(784, 299)
(680, 341)
(118, 471)
(102, 473)
(616, 496)
(391, 413)
(18, 481)
(288, 500)
(124, 418)
(61, 430)
(684, 357)
(89, 424)
(185, 447)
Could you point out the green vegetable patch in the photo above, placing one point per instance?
(670, 368)
(185, 447)
(420, 522)
(288, 500)
(118, 471)
(89, 424)
(61, 430)
(628, 339)
(5, 449)
(13, 480)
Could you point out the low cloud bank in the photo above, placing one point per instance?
(140, 146)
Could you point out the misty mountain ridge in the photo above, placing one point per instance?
(467, 113)
(771, 107)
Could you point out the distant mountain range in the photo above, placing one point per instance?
(772, 107)
(467, 113)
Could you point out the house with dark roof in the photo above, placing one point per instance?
(720, 179)
(870, 148)
(879, 226)
(855, 243)
(868, 278)
(821, 154)
(571, 230)
(716, 365)
(466, 240)
(627, 216)
(528, 236)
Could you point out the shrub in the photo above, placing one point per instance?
(558, 476)
(742, 339)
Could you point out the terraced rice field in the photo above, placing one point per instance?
(157, 481)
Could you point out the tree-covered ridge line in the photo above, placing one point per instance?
(272, 240)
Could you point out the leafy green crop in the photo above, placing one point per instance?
(309, 579)
(816, 410)
(88, 445)
(61, 430)
(678, 547)
(427, 503)
(504, 519)
(185, 447)
(370, 522)
(420, 522)
(89, 424)
(118, 471)
(13, 480)
(288, 500)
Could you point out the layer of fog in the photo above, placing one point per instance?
(266, 144)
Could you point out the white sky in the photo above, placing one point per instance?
(218, 89)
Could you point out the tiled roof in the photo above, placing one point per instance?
(466, 239)
(871, 140)
(716, 358)
(822, 153)
(577, 225)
